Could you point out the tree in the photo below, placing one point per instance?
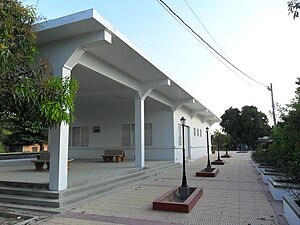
(19, 133)
(284, 152)
(225, 140)
(29, 93)
(245, 126)
(254, 124)
(294, 7)
(231, 124)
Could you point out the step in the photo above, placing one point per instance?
(97, 184)
(24, 185)
(22, 196)
(29, 200)
(89, 193)
(30, 192)
(82, 193)
(31, 208)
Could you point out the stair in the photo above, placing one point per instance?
(37, 197)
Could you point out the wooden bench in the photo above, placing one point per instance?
(44, 158)
(109, 155)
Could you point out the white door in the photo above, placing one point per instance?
(187, 142)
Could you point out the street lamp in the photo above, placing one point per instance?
(219, 159)
(208, 167)
(184, 189)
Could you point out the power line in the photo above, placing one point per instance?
(179, 19)
(208, 49)
(205, 28)
(214, 42)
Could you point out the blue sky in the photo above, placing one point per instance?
(257, 36)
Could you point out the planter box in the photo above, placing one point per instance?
(266, 174)
(226, 156)
(259, 167)
(165, 203)
(280, 189)
(204, 173)
(291, 210)
(218, 162)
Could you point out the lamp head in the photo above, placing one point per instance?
(182, 120)
(207, 129)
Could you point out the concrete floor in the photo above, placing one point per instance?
(81, 171)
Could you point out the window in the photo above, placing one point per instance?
(84, 136)
(96, 129)
(200, 132)
(148, 134)
(179, 134)
(194, 131)
(80, 136)
(125, 135)
(128, 134)
(34, 149)
(76, 136)
(197, 132)
(132, 134)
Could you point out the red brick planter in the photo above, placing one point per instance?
(166, 202)
(204, 173)
(218, 162)
(226, 156)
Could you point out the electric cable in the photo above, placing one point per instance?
(205, 28)
(210, 50)
(179, 19)
(214, 41)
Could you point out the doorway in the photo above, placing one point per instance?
(187, 142)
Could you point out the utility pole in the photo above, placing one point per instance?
(273, 106)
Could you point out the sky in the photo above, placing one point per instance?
(257, 36)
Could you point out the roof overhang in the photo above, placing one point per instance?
(121, 54)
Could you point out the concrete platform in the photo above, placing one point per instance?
(237, 196)
(81, 171)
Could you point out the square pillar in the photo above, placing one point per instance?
(58, 147)
(139, 132)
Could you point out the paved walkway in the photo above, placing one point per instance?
(236, 196)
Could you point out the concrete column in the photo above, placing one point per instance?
(139, 132)
(58, 147)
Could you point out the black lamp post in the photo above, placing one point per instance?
(219, 159)
(208, 167)
(184, 189)
(184, 182)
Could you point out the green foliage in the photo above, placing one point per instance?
(284, 153)
(27, 88)
(2, 148)
(17, 37)
(245, 126)
(293, 8)
(225, 140)
(22, 132)
(261, 156)
(29, 93)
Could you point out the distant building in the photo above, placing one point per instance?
(34, 148)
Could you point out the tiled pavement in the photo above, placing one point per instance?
(236, 196)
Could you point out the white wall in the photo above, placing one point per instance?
(198, 147)
(111, 117)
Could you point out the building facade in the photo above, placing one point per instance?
(124, 98)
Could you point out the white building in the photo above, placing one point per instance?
(124, 99)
